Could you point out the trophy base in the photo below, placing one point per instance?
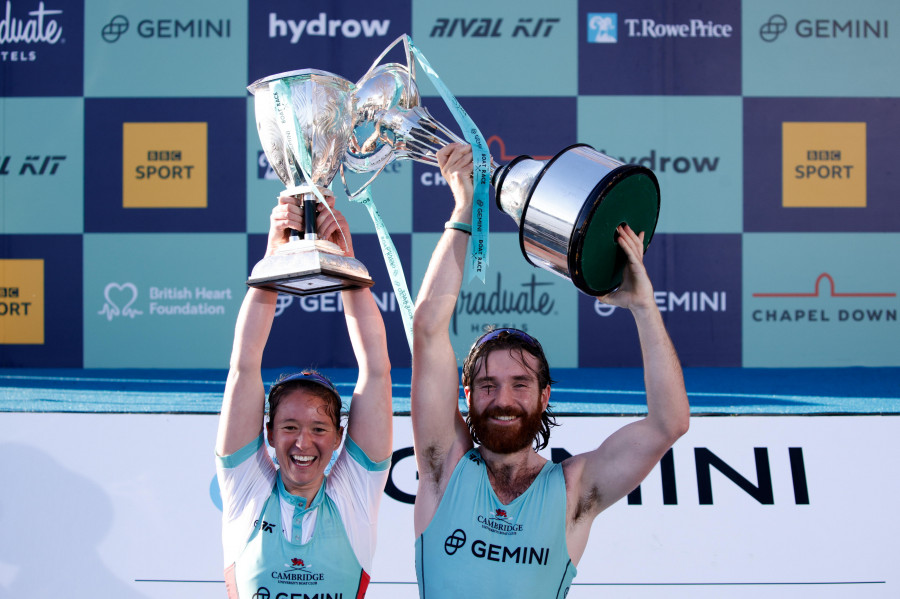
(304, 267)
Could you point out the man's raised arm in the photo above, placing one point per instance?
(441, 437)
(599, 478)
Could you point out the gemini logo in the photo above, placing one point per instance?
(772, 29)
(21, 302)
(823, 165)
(118, 26)
(603, 27)
(164, 165)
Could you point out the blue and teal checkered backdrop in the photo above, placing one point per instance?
(134, 195)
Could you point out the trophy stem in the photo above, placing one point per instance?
(309, 216)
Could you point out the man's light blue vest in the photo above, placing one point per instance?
(477, 547)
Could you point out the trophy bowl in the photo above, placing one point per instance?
(304, 119)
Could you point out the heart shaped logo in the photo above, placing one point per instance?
(119, 299)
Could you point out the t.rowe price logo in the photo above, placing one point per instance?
(603, 28)
(850, 312)
(804, 28)
(490, 27)
(322, 26)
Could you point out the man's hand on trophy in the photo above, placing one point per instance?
(455, 161)
(636, 291)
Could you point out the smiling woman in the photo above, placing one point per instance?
(326, 523)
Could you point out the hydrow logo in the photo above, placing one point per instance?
(325, 27)
(603, 28)
(678, 164)
(164, 165)
(167, 28)
(21, 302)
(485, 27)
(31, 165)
(824, 165)
(820, 307)
(772, 29)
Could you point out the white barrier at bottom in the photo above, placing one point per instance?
(100, 505)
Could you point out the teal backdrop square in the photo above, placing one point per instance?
(692, 144)
(122, 268)
(36, 131)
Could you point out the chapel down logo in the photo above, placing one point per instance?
(500, 523)
(822, 310)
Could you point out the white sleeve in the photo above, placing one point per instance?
(356, 485)
(246, 479)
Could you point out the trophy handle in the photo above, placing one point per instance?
(410, 62)
(355, 194)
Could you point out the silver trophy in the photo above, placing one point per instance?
(567, 208)
(304, 119)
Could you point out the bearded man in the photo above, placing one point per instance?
(497, 519)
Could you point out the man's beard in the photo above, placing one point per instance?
(505, 439)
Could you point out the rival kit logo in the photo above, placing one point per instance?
(493, 27)
(21, 302)
(31, 165)
(823, 165)
(164, 165)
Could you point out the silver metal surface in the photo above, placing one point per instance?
(555, 192)
(305, 119)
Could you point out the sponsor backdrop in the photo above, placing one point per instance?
(741, 507)
(134, 194)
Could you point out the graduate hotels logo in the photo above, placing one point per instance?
(164, 165)
(21, 302)
(823, 165)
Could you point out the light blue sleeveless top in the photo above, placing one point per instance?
(477, 547)
(272, 566)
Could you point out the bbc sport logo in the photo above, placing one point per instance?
(603, 27)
